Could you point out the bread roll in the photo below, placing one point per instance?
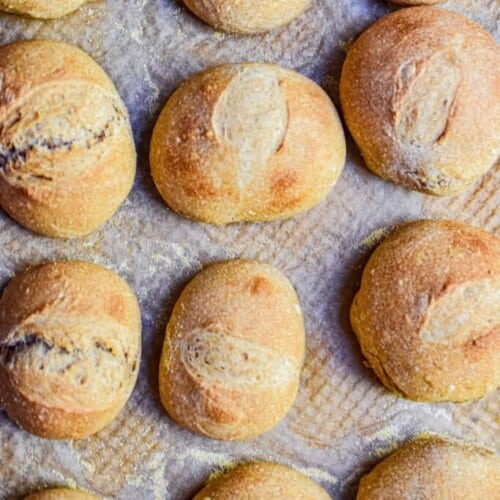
(420, 91)
(251, 142)
(427, 315)
(247, 16)
(42, 9)
(61, 494)
(233, 351)
(69, 348)
(67, 156)
(434, 468)
(262, 480)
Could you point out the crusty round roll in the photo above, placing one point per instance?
(42, 9)
(251, 142)
(434, 468)
(262, 480)
(247, 16)
(69, 348)
(67, 156)
(61, 494)
(233, 351)
(427, 314)
(420, 92)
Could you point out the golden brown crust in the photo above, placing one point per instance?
(262, 480)
(420, 92)
(61, 494)
(434, 468)
(427, 315)
(246, 142)
(69, 348)
(42, 9)
(67, 156)
(233, 351)
(247, 16)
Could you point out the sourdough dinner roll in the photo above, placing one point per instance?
(262, 480)
(41, 8)
(67, 157)
(420, 91)
(251, 142)
(233, 351)
(434, 468)
(69, 348)
(247, 16)
(61, 494)
(427, 315)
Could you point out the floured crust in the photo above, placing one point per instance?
(262, 480)
(434, 467)
(420, 91)
(42, 9)
(247, 16)
(233, 351)
(250, 142)
(67, 156)
(427, 315)
(69, 348)
(61, 494)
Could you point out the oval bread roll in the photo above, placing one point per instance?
(246, 142)
(420, 91)
(69, 348)
(67, 156)
(233, 351)
(262, 480)
(61, 494)
(42, 9)
(434, 468)
(247, 16)
(427, 314)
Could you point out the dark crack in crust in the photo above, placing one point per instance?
(11, 351)
(15, 157)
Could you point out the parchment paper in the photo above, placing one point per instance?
(343, 421)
